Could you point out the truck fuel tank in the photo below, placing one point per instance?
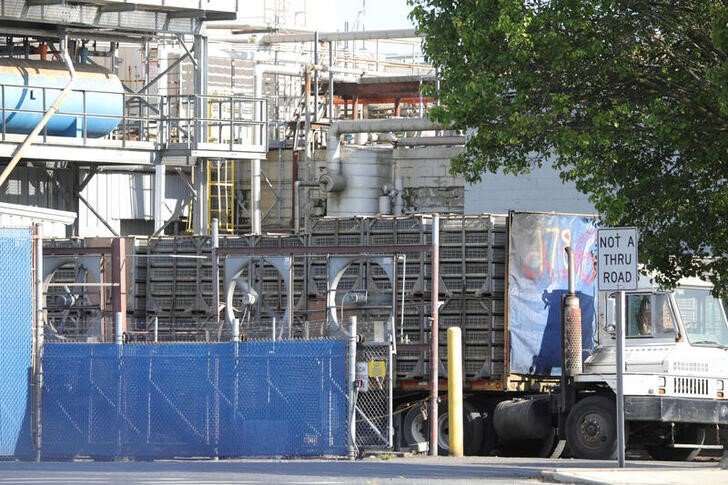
(522, 419)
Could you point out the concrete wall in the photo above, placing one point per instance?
(428, 184)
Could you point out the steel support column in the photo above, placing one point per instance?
(118, 278)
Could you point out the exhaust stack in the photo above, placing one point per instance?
(571, 325)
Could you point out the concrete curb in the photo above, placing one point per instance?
(556, 476)
(637, 476)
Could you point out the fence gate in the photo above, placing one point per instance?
(374, 396)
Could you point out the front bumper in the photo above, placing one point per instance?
(675, 409)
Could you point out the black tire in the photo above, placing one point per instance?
(472, 429)
(490, 438)
(417, 429)
(414, 427)
(694, 435)
(591, 429)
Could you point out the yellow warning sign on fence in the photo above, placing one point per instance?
(377, 368)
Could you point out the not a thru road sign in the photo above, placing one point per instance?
(617, 258)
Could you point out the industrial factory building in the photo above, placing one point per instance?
(239, 183)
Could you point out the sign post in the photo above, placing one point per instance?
(617, 270)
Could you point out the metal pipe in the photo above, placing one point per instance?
(570, 265)
(118, 333)
(404, 279)
(118, 290)
(38, 347)
(571, 325)
(431, 141)
(434, 335)
(159, 190)
(620, 379)
(255, 220)
(334, 181)
(351, 378)
(315, 77)
(215, 228)
(20, 151)
(156, 330)
(339, 36)
(331, 83)
(289, 298)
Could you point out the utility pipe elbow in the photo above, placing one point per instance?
(332, 182)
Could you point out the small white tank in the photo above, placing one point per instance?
(366, 170)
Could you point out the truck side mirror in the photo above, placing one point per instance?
(610, 323)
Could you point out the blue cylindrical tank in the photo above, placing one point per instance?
(29, 88)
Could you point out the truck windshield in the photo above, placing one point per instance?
(703, 317)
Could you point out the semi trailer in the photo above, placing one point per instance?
(675, 359)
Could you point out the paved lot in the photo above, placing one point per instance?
(370, 470)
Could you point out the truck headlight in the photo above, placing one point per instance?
(661, 383)
(719, 384)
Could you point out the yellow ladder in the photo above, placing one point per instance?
(221, 194)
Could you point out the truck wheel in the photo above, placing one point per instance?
(489, 435)
(591, 429)
(694, 435)
(414, 427)
(472, 429)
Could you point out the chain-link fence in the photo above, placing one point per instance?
(181, 400)
(16, 340)
(374, 396)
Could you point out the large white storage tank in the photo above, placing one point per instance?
(367, 169)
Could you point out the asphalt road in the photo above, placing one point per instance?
(420, 469)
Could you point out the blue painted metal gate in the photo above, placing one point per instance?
(230, 399)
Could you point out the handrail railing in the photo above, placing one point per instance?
(229, 121)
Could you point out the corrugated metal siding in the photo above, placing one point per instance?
(125, 195)
(54, 222)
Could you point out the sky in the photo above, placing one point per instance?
(378, 14)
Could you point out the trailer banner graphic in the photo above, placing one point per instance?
(538, 279)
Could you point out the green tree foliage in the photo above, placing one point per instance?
(626, 98)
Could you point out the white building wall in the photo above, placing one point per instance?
(541, 190)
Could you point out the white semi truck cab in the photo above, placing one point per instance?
(675, 376)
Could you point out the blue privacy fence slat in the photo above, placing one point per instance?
(16, 340)
(154, 401)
